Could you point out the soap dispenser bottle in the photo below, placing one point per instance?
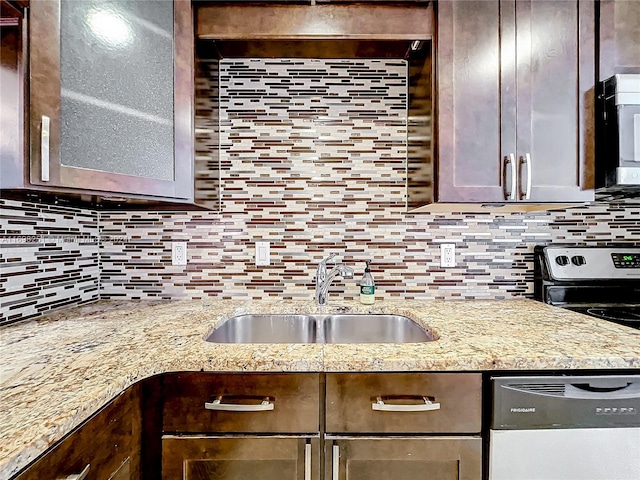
(367, 287)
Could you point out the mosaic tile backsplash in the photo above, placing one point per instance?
(313, 161)
(48, 258)
(494, 252)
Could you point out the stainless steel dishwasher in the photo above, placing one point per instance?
(565, 428)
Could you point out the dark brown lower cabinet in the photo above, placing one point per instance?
(297, 426)
(393, 458)
(106, 447)
(240, 458)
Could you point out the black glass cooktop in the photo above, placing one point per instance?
(629, 316)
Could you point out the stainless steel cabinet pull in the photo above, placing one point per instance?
(79, 476)
(510, 163)
(307, 461)
(335, 462)
(234, 407)
(526, 160)
(44, 148)
(394, 407)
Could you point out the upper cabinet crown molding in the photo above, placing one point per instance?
(321, 21)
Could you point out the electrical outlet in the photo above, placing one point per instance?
(263, 253)
(447, 255)
(178, 253)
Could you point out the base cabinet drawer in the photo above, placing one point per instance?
(198, 402)
(240, 458)
(396, 458)
(398, 403)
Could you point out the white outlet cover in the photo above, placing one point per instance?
(447, 255)
(178, 253)
(263, 253)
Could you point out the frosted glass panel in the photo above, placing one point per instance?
(117, 86)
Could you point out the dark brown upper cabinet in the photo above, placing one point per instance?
(619, 37)
(515, 92)
(12, 93)
(110, 99)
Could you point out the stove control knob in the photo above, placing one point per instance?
(578, 260)
(562, 260)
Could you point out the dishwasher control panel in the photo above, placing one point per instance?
(545, 402)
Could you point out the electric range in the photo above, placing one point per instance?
(603, 282)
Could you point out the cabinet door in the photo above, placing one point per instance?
(240, 458)
(474, 141)
(11, 95)
(115, 81)
(555, 100)
(619, 46)
(107, 446)
(438, 458)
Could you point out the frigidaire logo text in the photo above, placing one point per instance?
(523, 410)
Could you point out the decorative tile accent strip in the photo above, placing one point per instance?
(48, 258)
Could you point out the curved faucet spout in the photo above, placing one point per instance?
(324, 279)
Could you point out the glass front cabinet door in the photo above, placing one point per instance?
(111, 96)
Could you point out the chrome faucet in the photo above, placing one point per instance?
(324, 278)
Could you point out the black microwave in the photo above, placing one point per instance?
(618, 159)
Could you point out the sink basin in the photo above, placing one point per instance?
(342, 328)
(266, 329)
(354, 328)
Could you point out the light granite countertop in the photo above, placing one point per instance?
(58, 370)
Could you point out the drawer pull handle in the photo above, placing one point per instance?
(235, 407)
(335, 463)
(307, 461)
(394, 407)
(79, 476)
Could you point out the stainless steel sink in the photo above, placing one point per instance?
(266, 329)
(342, 328)
(362, 328)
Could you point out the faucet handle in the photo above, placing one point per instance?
(329, 258)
